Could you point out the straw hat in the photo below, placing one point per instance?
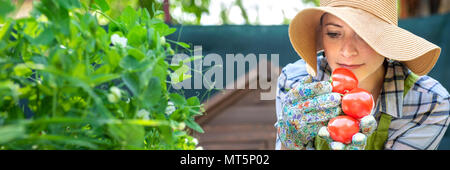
(375, 21)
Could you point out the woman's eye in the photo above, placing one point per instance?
(333, 35)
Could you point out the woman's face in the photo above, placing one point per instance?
(344, 48)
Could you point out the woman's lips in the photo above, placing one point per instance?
(353, 66)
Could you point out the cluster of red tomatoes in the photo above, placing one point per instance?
(356, 104)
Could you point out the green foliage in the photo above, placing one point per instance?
(66, 82)
(315, 2)
(5, 8)
(196, 7)
(155, 7)
(192, 7)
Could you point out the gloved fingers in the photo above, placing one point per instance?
(285, 136)
(312, 117)
(323, 115)
(334, 145)
(337, 146)
(324, 134)
(296, 133)
(307, 90)
(317, 103)
(359, 142)
(304, 80)
(368, 124)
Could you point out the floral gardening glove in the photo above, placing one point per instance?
(306, 108)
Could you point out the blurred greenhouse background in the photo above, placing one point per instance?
(238, 119)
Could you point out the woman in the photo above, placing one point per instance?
(411, 109)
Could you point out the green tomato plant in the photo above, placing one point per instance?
(67, 82)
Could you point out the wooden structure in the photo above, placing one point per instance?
(238, 119)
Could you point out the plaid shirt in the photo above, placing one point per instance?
(419, 120)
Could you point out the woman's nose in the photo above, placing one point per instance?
(349, 49)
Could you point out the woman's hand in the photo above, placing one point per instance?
(305, 109)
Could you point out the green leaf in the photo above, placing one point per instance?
(177, 99)
(163, 29)
(132, 82)
(11, 132)
(137, 54)
(79, 70)
(152, 94)
(57, 13)
(180, 74)
(192, 124)
(176, 66)
(113, 58)
(137, 36)
(166, 134)
(39, 60)
(6, 8)
(5, 29)
(193, 101)
(102, 4)
(45, 38)
(102, 78)
(129, 136)
(22, 70)
(3, 44)
(68, 4)
(129, 17)
(162, 104)
(145, 15)
(129, 63)
(196, 106)
(160, 70)
(104, 69)
(32, 29)
(182, 44)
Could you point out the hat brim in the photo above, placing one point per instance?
(388, 40)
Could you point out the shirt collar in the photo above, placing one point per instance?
(391, 95)
(390, 99)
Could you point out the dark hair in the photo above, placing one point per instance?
(321, 18)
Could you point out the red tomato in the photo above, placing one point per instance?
(357, 103)
(342, 128)
(343, 80)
